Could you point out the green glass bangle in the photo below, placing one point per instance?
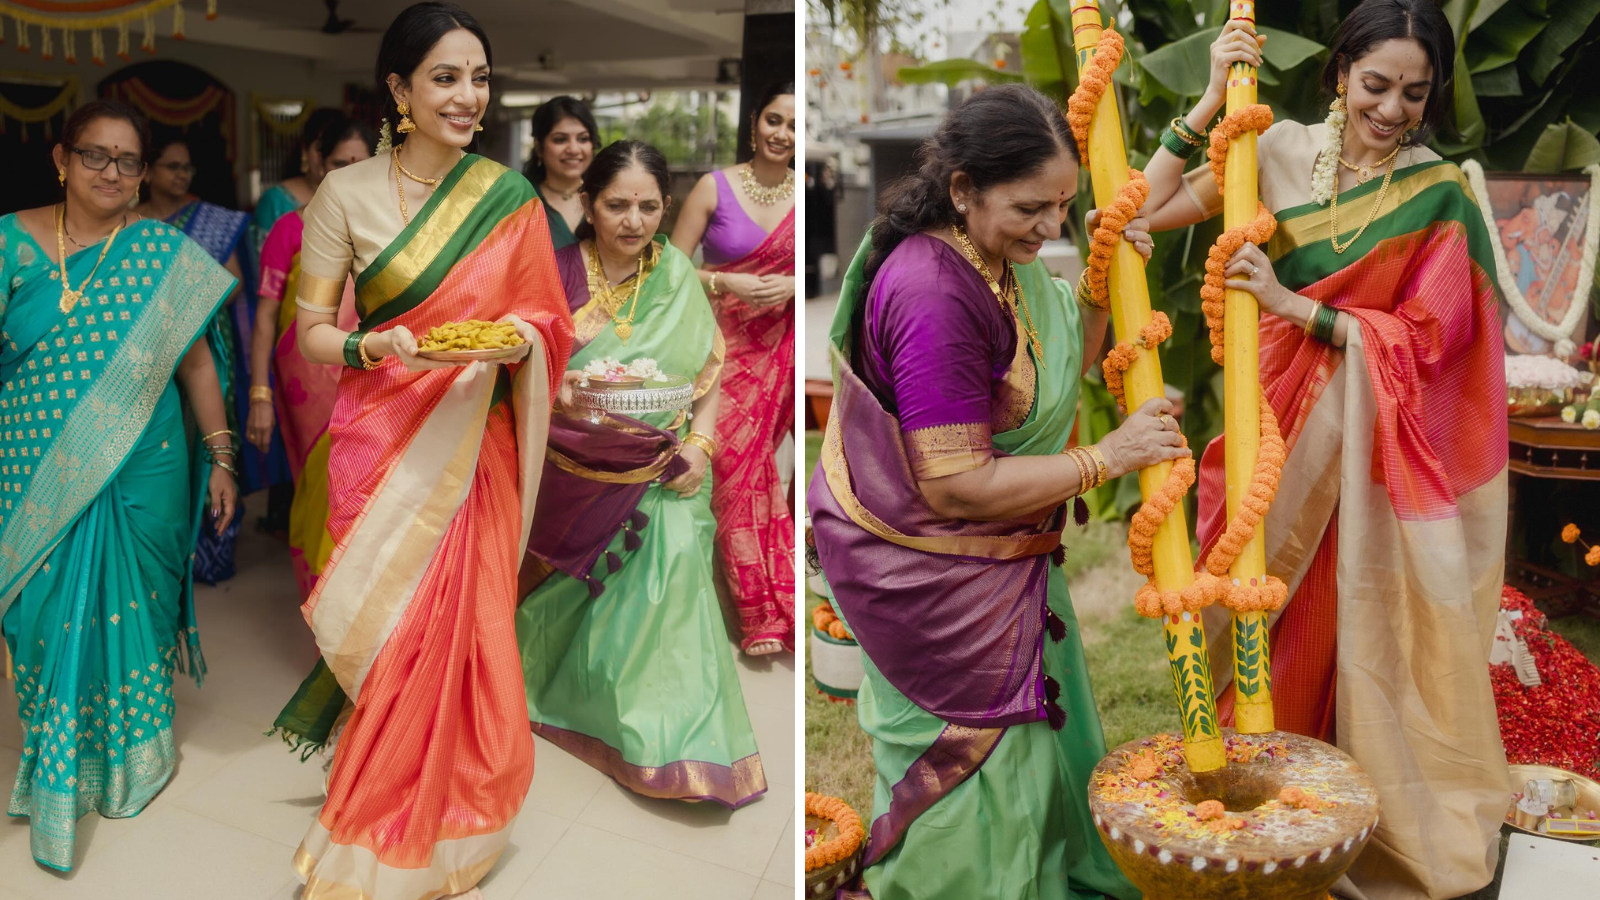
(1178, 146)
(1322, 328)
(352, 350)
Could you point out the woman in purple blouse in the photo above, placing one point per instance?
(938, 507)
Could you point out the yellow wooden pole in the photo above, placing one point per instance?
(1242, 409)
(1187, 654)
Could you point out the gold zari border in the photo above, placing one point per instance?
(941, 450)
(1301, 231)
(322, 293)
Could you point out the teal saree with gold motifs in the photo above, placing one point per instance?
(100, 494)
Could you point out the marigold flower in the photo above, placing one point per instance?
(1570, 533)
(1207, 810)
(1593, 556)
(1000, 63)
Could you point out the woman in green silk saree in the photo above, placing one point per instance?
(101, 482)
(938, 508)
(624, 652)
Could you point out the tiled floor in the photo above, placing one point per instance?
(229, 821)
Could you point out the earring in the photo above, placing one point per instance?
(406, 126)
(478, 127)
(1338, 102)
(961, 208)
(61, 176)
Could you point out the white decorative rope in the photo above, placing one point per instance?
(1560, 334)
(1327, 168)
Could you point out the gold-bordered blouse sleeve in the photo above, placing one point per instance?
(327, 252)
(713, 367)
(1191, 186)
(941, 450)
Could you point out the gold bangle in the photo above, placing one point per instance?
(1084, 464)
(261, 392)
(226, 431)
(1312, 319)
(711, 286)
(367, 362)
(704, 442)
(1101, 470)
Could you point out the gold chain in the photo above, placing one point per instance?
(399, 186)
(1002, 295)
(1364, 174)
(762, 194)
(600, 286)
(417, 178)
(70, 297)
(1333, 211)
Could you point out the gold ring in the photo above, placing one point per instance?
(1254, 269)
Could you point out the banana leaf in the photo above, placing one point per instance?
(1569, 21)
(1046, 42)
(1502, 38)
(1499, 82)
(1562, 148)
(951, 72)
(1184, 66)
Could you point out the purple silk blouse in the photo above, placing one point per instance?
(943, 357)
(730, 233)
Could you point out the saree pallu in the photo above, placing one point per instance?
(755, 532)
(1389, 525)
(637, 679)
(976, 795)
(432, 476)
(303, 401)
(101, 489)
(220, 232)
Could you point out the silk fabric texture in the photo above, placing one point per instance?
(982, 799)
(755, 531)
(100, 510)
(639, 682)
(432, 476)
(1389, 525)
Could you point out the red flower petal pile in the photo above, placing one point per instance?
(1557, 723)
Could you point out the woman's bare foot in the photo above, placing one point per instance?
(764, 648)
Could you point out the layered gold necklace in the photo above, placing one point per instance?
(1004, 294)
(405, 214)
(1333, 209)
(764, 195)
(70, 297)
(610, 299)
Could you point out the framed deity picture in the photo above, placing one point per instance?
(1541, 223)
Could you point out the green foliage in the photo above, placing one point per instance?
(1561, 148)
(683, 133)
(954, 71)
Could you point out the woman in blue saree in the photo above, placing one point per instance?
(220, 232)
(101, 482)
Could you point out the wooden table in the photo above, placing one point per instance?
(1546, 447)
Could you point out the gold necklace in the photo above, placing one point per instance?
(600, 286)
(1365, 174)
(1004, 296)
(1333, 210)
(763, 195)
(70, 297)
(399, 186)
(417, 178)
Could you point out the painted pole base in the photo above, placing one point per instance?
(1143, 797)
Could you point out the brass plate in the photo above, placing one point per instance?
(1588, 797)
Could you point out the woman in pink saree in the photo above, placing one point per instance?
(746, 233)
(302, 401)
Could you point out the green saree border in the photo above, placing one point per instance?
(107, 421)
(467, 206)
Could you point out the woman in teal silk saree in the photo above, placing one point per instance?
(101, 481)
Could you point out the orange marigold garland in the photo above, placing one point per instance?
(1150, 600)
(845, 821)
(1257, 117)
(1268, 593)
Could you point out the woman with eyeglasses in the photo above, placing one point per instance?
(221, 232)
(104, 346)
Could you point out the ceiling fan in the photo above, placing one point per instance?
(336, 25)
